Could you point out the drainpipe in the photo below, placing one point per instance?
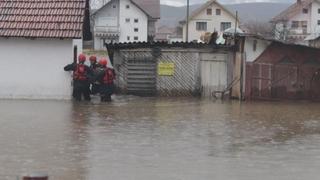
(187, 25)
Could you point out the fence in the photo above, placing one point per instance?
(179, 71)
(282, 81)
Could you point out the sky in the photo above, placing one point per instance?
(184, 2)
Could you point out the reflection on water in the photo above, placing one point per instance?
(160, 139)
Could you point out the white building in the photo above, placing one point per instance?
(35, 45)
(298, 21)
(210, 17)
(125, 21)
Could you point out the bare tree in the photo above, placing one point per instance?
(257, 27)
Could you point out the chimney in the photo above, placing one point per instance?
(299, 1)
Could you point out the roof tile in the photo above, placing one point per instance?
(42, 18)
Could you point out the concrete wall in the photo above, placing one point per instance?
(33, 69)
(213, 22)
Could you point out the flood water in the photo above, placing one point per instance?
(160, 139)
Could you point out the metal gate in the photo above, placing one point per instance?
(139, 72)
(282, 81)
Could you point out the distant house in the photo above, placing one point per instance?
(125, 21)
(168, 34)
(298, 21)
(210, 17)
(36, 42)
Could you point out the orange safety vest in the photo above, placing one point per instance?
(108, 76)
(80, 73)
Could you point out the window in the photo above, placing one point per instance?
(294, 24)
(128, 6)
(305, 11)
(127, 20)
(201, 26)
(304, 24)
(114, 6)
(218, 12)
(136, 30)
(319, 11)
(255, 42)
(209, 11)
(318, 22)
(128, 38)
(136, 38)
(225, 25)
(136, 20)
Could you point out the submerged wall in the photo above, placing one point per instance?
(33, 69)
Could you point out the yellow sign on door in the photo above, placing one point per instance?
(166, 69)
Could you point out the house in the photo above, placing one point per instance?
(210, 17)
(125, 21)
(163, 33)
(168, 34)
(268, 69)
(37, 40)
(298, 21)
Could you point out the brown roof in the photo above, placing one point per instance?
(42, 18)
(151, 7)
(292, 10)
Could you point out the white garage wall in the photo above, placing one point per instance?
(33, 69)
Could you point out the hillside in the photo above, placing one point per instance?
(262, 12)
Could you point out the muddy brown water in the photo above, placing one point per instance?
(160, 139)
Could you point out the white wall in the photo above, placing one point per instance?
(33, 69)
(79, 44)
(127, 29)
(213, 22)
(252, 55)
(302, 17)
(315, 16)
(107, 16)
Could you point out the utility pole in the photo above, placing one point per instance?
(187, 25)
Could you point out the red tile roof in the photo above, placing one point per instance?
(42, 18)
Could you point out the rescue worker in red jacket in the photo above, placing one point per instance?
(94, 89)
(93, 62)
(81, 75)
(106, 78)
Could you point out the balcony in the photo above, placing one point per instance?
(104, 31)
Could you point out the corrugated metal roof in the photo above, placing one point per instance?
(136, 45)
(42, 18)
